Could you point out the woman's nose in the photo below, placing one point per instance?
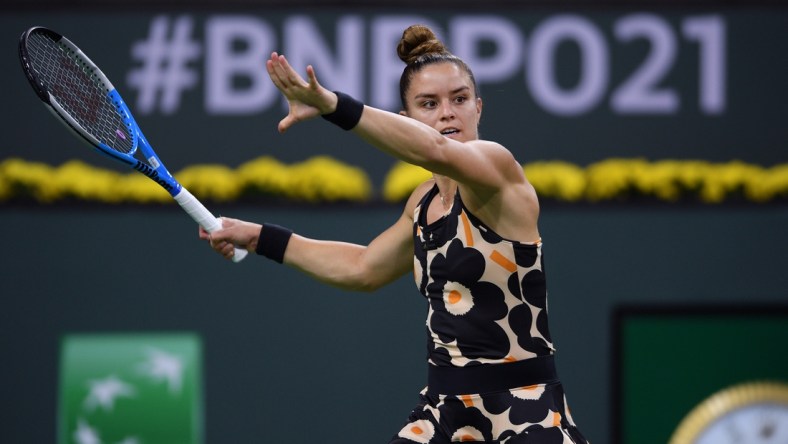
(447, 111)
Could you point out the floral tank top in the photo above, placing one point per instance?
(487, 295)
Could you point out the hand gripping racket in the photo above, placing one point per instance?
(81, 96)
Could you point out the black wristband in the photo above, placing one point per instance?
(272, 242)
(348, 112)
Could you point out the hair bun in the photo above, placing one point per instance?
(417, 41)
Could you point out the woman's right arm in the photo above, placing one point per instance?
(341, 264)
(353, 266)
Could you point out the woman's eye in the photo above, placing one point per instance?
(460, 99)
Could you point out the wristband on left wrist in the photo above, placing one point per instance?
(347, 113)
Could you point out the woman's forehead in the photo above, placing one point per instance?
(439, 77)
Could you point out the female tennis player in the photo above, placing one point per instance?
(470, 236)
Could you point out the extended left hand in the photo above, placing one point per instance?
(306, 100)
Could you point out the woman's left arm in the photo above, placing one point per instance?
(477, 163)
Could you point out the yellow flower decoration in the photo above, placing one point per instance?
(558, 180)
(19, 176)
(622, 179)
(402, 179)
(767, 184)
(319, 179)
(323, 179)
(214, 182)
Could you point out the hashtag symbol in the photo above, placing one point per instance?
(164, 72)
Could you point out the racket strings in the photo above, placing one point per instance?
(75, 85)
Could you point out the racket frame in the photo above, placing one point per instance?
(154, 168)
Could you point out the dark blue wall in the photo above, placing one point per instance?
(286, 358)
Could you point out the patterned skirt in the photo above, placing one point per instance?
(528, 414)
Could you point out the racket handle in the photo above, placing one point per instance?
(202, 216)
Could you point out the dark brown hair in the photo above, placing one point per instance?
(419, 47)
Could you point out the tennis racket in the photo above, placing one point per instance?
(81, 96)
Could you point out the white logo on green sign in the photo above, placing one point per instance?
(130, 389)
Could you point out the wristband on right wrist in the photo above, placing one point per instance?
(273, 241)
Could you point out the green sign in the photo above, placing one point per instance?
(130, 389)
(669, 360)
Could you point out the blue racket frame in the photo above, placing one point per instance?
(154, 168)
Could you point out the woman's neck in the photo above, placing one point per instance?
(447, 189)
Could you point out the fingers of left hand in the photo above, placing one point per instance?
(286, 73)
(279, 68)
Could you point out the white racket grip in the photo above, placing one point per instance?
(202, 216)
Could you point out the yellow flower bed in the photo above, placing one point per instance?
(620, 179)
(319, 179)
(323, 179)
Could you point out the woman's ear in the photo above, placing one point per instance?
(479, 107)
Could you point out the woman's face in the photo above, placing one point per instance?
(442, 96)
